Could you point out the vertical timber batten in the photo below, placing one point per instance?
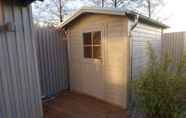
(19, 79)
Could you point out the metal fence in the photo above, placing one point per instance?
(173, 44)
(52, 61)
(20, 95)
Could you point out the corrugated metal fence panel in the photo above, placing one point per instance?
(140, 36)
(52, 57)
(19, 78)
(173, 44)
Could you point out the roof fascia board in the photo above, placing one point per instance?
(116, 12)
(93, 11)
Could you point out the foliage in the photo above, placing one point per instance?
(50, 12)
(161, 90)
(147, 7)
(53, 12)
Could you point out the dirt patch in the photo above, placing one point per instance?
(73, 105)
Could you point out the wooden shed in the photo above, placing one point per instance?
(106, 48)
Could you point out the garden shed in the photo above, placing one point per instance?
(106, 48)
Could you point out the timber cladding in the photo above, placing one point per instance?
(19, 78)
(123, 53)
(140, 36)
(104, 78)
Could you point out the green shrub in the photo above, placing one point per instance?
(161, 89)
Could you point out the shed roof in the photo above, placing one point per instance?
(116, 12)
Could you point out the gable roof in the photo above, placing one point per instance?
(115, 12)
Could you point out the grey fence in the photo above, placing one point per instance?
(52, 61)
(20, 95)
(173, 44)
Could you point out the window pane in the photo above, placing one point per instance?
(97, 38)
(88, 52)
(97, 52)
(87, 38)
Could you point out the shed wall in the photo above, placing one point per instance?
(19, 79)
(112, 86)
(140, 36)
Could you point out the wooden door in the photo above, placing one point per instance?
(93, 63)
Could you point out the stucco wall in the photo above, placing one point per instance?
(105, 79)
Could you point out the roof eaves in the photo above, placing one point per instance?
(110, 11)
(72, 17)
(85, 10)
(147, 19)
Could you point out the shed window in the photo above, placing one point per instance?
(92, 45)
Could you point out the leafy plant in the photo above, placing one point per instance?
(161, 89)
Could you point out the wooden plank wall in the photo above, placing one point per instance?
(173, 44)
(52, 58)
(142, 34)
(20, 95)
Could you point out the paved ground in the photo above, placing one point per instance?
(72, 105)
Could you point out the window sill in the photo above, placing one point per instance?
(91, 60)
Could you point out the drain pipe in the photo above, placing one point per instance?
(136, 21)
(67, 33)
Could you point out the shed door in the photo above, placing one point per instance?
(93, 62)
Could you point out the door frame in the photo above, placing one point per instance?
(92, 28)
